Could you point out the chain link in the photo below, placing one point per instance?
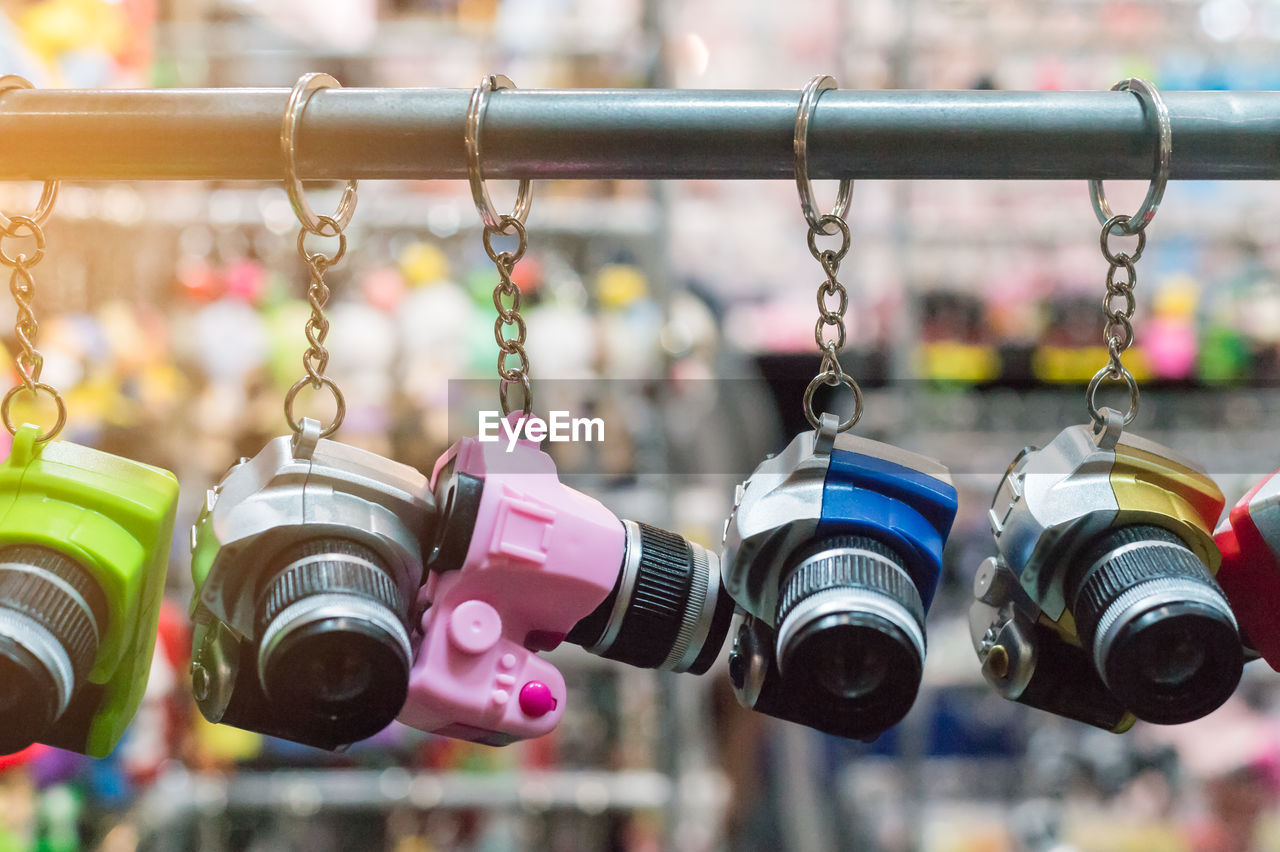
(1118, 305)
(831, 316)
(315, 360)
(22, 286)
(509, 328)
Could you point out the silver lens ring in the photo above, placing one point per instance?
(626, 586)
(317, 607)
(848, 599)
(1148, 595)
(63, 586)
(706, 614)
(42, 644)
(699, 611)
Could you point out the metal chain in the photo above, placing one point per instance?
(831, 317)
(22, 286)
(509, 314)
(1118, 305)
(315, 359)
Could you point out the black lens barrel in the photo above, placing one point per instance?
(850, 635)
(1156, 624)
(46, 589)
(658, 609)
(341, 665)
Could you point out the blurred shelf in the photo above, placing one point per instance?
(441, 215)
(180, 794)
(239, 33)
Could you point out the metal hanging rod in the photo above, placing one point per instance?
(233, 134)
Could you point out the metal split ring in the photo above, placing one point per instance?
(14, 229)
(1120, 258)
(328, 228)
(833, 378)
(842, 228)
(340, 404)
(51, 433)
(507, 226)
(800, 144)
(302, 91)
(49, 192)
(479, 192)
(504, 387)
(1091, 395)
(1154, 105)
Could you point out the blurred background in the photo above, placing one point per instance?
(171, 316)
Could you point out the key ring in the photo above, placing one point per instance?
(833, 378)
(476, 109)
(800, 145)
(52, 431)
(49, 192)
(1091, 394)
(339, 401)
(302, 91)
(1152, 104)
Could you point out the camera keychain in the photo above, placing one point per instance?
(522, 562)
(307, 557)
(1249, 538)
(1101, 605)
(84, 547)
(834, 547)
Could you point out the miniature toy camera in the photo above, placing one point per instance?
(306, 560)
(84, 546)
(522, 563)
(1101, 605)
(833, 552)
(1249, 539)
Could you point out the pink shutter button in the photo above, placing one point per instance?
(536, 699)
(474, 627)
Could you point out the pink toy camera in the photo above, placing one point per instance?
(522, 563)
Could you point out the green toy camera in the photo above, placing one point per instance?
(84, 545)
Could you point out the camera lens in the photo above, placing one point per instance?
(847, 669)
(851, 634)
(668, 609)
(1161, 634)
(52, 616)
(334, 649)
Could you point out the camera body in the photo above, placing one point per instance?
(1249, 539)
(833, 553)
(1101, 604)
(522, 563)
(84, 547)
(306, 560)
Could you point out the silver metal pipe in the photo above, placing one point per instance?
(233, 134)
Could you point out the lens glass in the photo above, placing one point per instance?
(341, 670)
(1171, 665)
(335, 671)
(848, 663)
